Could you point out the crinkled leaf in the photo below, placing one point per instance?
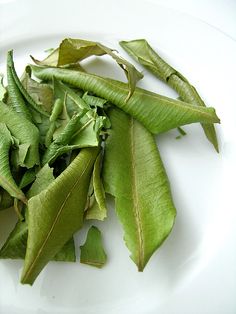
(98, 210)
(63, 204)
(92, 252)
(6, 179)
(157, 113)
(28, 135)
(134, 174)
(72, 51)
(141, 51)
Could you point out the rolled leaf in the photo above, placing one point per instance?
(92, 252)
(6, 179)
(134, 174)
(141, 51)
(63, 204)
(28, 135)
(157, 113)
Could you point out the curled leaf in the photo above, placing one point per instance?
(157, 113)
(141, 51)
(71, 51)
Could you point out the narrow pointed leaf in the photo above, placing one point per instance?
(134, 174)
(63, 204)
(92, 252)
(6, 179)
(144, 54)
(27, 135)
(157, 113)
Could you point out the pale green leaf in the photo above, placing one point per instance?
(3, 90)
(134, 174)
(92, 252)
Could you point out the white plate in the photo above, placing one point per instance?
(193, 270)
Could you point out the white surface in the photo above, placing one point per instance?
(195, 270)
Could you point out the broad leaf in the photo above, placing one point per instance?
(63, 204)
(72, 51)
(98, 209)
(157, 113)
(144, 54)
(15, 245)
(28, 135)
(6, 179)
(92, 252)
(134, 174)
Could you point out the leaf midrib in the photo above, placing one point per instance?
(135, 199)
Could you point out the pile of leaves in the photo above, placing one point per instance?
(68, 137)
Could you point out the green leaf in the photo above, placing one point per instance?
(6, 201)
(157, 113)
(92, 252)
(3, 90)
(63, 204)
(22, 89)
(141, 51)
(94, 101)
(27, 178)
(28, 135)
(16, 99)
(41, 93)
(6, 179)
(99, 208)
(15, 245)
(75, 50)
(134, 174)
